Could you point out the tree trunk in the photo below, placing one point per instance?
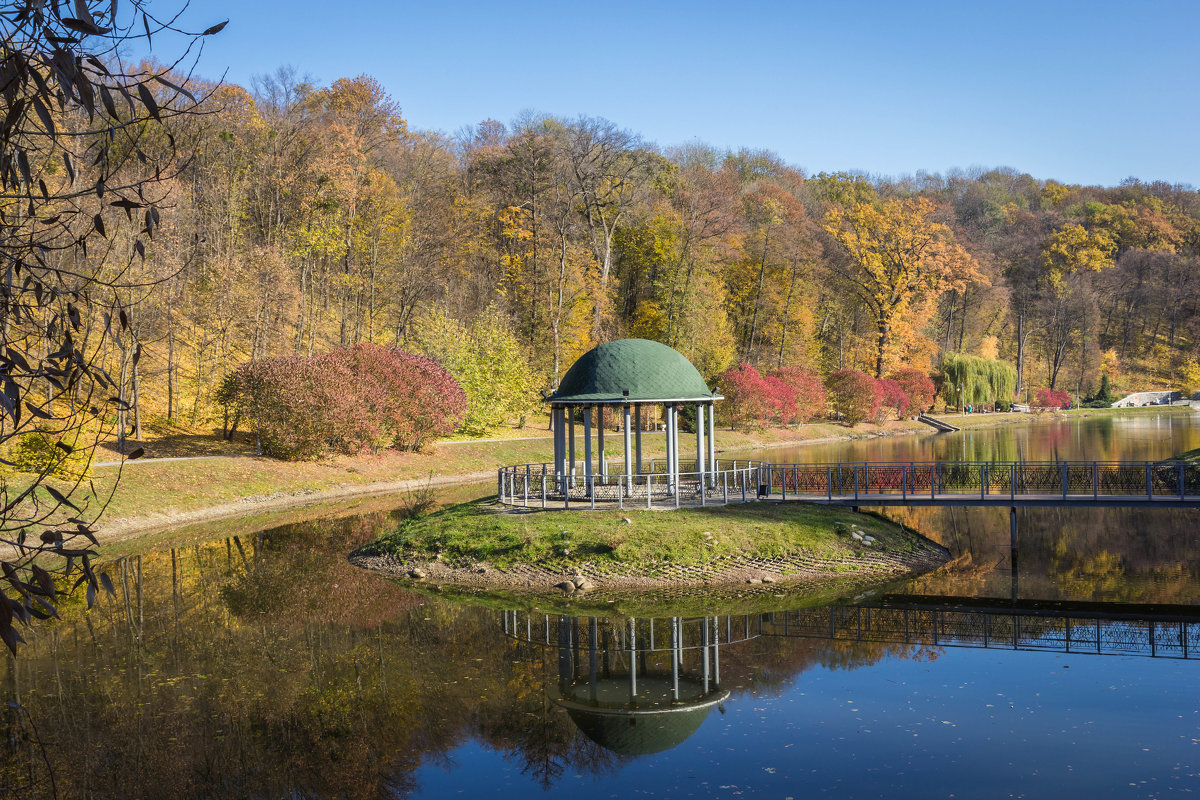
(881, 343)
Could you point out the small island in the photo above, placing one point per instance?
(484, 546)
(604, 534)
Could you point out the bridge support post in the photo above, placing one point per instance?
(1012, 545)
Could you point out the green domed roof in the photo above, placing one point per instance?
(649, 371)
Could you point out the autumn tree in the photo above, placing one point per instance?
(893, 254)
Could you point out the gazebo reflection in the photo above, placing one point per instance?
(634, 686)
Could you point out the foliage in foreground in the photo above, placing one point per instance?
(351, 400)
(82, 157)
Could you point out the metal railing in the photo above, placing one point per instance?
(998, 480)
(540, 486)
(888, 483)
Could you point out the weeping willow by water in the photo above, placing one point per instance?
(976, 381)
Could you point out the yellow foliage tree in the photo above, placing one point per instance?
(895, 254)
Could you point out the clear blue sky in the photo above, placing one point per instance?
(1084, 92)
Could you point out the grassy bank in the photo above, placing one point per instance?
(154, 492)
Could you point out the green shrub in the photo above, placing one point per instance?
(39, 452)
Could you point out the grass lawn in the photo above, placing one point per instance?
(650, 543)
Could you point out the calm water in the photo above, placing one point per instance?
(266, 666)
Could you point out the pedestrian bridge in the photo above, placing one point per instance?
(1008, 484)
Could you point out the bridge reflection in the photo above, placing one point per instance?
(643, 685)
(995, 623)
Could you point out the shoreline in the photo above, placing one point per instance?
(121, 529)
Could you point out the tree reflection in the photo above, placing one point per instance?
(267, 665)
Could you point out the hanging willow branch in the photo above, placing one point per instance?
(975, 381)
(85, 145)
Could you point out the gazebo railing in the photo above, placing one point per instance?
(539, 486)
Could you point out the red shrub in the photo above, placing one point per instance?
(411, 396)
(780, 401)
(1051, 398)
(745, 394)
(892, 396)
(361, 398)
(918, 386)
(808, 390)
(855, 395)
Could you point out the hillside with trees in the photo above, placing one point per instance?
(306, 218)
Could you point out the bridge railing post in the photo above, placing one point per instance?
(828, 482)
(1012, 481)
(1149, 485)
(1064, 480)
(933, 482)
(1095, 481)
(983, 481)
(1179, 471)
(904, 481)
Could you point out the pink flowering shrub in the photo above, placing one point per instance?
(855, 395)
(1051, 398)
(351, 400)
(808, 393)
(918, 386)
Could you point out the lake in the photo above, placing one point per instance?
(264, 665)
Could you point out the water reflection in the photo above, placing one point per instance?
(627, 690)
(265, 665)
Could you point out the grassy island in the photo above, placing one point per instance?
(479, 545)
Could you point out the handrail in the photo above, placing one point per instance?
(899, 482)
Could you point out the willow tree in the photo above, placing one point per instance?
(893, 254)
(975, 380)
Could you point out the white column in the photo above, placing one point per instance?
(673, 433)
(571, 443)
(561, 472)
(638, 435)
(700, 451)
(600, 441)
(675, 448)
(556, 427)
(712, 439)
(628, 454)
(667, 434)
(587, 445)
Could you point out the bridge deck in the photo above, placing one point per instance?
(996, 501)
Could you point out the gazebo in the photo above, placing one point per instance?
(628, 375)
